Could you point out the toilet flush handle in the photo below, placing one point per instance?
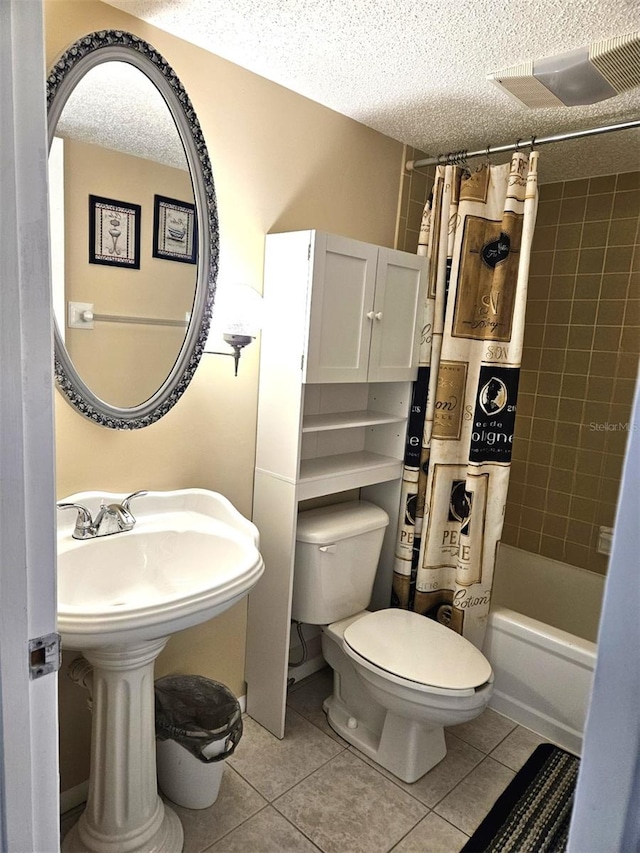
(328, 549)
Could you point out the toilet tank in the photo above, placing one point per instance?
(337, 553)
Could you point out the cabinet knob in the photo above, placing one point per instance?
(370, 315)
(379, 315)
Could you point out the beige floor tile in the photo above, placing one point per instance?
(271, 765)
(320, 680)
(432, 835)
(236, 802)
(307, 699)
(460, 760)
(517, 747)
(471, 800)
(486, 731)
(336, 800)
(348, 807)
(266, 832)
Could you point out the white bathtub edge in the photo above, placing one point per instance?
(548, 728)
(542, 676)
(546, 637)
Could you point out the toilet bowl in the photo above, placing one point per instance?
(399, 678)
(398, 721)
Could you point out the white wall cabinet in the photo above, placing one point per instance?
(364, 304)
(334, 397)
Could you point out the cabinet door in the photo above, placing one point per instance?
(399, 297)
(344, 273)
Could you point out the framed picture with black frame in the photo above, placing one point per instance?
(175, 230)
(114, 232)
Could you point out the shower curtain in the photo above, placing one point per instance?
(477, 231)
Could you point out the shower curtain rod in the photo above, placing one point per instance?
(461, 156)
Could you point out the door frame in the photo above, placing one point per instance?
(29, 780)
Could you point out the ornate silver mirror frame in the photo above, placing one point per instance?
(92, 50)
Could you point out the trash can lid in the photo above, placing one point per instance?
(195, 712)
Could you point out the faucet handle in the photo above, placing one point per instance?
(125, 503)
(84, 521)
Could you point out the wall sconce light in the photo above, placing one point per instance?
(239, 311)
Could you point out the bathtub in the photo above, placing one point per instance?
(540, 641)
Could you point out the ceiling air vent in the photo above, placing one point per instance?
(587, 75)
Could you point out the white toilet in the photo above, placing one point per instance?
(399, 678)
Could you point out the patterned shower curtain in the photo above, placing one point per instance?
(476, 233)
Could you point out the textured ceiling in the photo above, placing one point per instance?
(116, 88)
(416, 69)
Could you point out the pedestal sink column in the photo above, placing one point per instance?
(124, 813)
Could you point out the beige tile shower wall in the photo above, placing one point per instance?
(579, 364)
(582, 339)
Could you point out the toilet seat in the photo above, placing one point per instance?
(416, 651)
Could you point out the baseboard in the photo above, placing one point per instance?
(310, 666)
(73, 797)
(541, 724)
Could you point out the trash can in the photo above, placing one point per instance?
(198, 725)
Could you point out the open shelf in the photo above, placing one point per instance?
(332, 414)
(348, 420)
(327, 474)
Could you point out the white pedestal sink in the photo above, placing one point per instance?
(190, 556)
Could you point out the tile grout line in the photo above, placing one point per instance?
(233, 829)
(480, 763)
(430, 812)
(381, 775)
(298, 781)
(350, 749)
(433, 807)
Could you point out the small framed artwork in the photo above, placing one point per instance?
(114, 232)
(175, 236)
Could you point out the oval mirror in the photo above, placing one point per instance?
(134, 230)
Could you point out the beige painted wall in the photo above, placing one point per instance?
(280, 162)
(139, 357)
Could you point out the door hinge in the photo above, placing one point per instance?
(44, 655)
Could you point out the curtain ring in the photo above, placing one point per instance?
(532, 143)
(517, 145)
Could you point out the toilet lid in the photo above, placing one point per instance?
(419, 649)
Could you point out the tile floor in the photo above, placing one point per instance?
(312, 791)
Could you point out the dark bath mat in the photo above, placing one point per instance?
(533, 813)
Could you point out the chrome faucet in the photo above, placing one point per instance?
(111, 518)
